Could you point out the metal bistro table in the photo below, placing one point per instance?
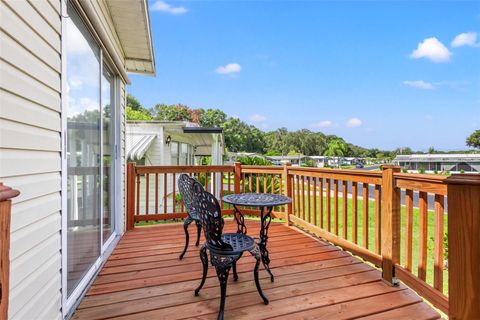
(266, 202)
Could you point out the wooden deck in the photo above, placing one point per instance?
(143, 279)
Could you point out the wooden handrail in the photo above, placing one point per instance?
(6, 194)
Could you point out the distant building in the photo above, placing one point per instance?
(174, 143)
(294, 160)
(439, 162)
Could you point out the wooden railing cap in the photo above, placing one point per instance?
(390, 166)
(7, 193)
(466, 179)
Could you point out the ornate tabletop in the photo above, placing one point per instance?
(257, 199)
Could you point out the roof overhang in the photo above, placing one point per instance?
(132, 24)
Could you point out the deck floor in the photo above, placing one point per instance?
(143, 279)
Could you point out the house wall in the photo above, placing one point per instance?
(30, 149)
(30, 152)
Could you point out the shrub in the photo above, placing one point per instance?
(404, 170)
(462, 171)
(421, 169)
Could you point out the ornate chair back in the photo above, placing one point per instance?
(212, 221)
(187, 186)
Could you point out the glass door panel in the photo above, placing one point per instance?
(108, 154)
(83, 151)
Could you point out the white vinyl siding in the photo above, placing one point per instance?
(30, 153)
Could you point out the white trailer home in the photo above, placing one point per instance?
(64, 68)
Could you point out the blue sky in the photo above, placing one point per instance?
(382, 74)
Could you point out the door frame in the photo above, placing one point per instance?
(69, 303)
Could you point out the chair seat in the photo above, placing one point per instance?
(239, 242)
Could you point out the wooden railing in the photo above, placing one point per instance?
(6, 194)
(396, 221)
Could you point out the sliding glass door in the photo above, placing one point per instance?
(109, 152)
(90, 158)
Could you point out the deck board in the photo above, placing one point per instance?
(143, 279)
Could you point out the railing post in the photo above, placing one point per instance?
(390, 224)
(6, 194)
(130, 195)
(237, 177)
(288, 192)
(464, 246)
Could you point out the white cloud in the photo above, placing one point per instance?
(419, 84)
(354, 122)
(257, 118)
(324, 124)
(432, 49)
(229, 68)
(168, 8)
(465, 39)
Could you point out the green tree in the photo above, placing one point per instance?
(213, 118)
(239, 136)
(474, 140)
(174, 112)
(138, 114)
(336, 148)
(133, 103)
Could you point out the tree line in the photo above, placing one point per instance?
(243, 137)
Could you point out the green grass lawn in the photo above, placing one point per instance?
(371, 232)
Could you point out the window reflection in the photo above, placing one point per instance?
(83, 150)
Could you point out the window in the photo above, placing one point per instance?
(174, 153)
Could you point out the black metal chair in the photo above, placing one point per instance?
(225, 248)
(185, 186)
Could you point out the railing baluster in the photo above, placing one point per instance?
(165, 192)
(257, 182)
(137, 212)
(423, 234)
(438, 243)
(409, 229)
(320, 193)
(328, 199)
(297, 194)
(345, 208)
(314, 201)
(250, 185)
(174, 193)
(378, 219)
(308, 199)
(365, 215)
(303, 197)
(335, 205)
(156, 193)
(355, 212)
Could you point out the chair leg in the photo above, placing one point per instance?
(234, 268)
(187, 237)
(256, 253)
(257, 282)
(222, 274)
(204, 258)
(199, 231)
